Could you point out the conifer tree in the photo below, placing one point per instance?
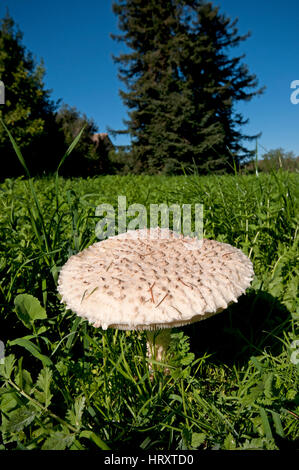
(182, 84)
(28, 112)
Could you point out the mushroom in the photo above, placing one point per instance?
(153, 280)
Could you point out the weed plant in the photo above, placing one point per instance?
(233, 379)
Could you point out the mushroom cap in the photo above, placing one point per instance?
(152, 279)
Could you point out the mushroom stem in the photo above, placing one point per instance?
(157, 343)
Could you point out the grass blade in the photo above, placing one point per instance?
(96, 439)
(16, 149)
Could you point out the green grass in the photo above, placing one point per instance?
(233, 381)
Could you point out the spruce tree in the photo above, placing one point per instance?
(182, 84)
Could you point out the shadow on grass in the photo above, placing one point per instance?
(242, 330)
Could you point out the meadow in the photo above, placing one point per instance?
(233, 378)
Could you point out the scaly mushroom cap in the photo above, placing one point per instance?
(153, 278)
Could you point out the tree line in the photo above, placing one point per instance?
(42, 128)
(181, 87)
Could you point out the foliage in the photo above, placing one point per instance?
(274, 160)
(87, 159)
(232, 380)
(41, 130)
(28, 108)
(181, 85)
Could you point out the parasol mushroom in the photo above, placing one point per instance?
(153, 279)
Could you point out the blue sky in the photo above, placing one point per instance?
(73, 38)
